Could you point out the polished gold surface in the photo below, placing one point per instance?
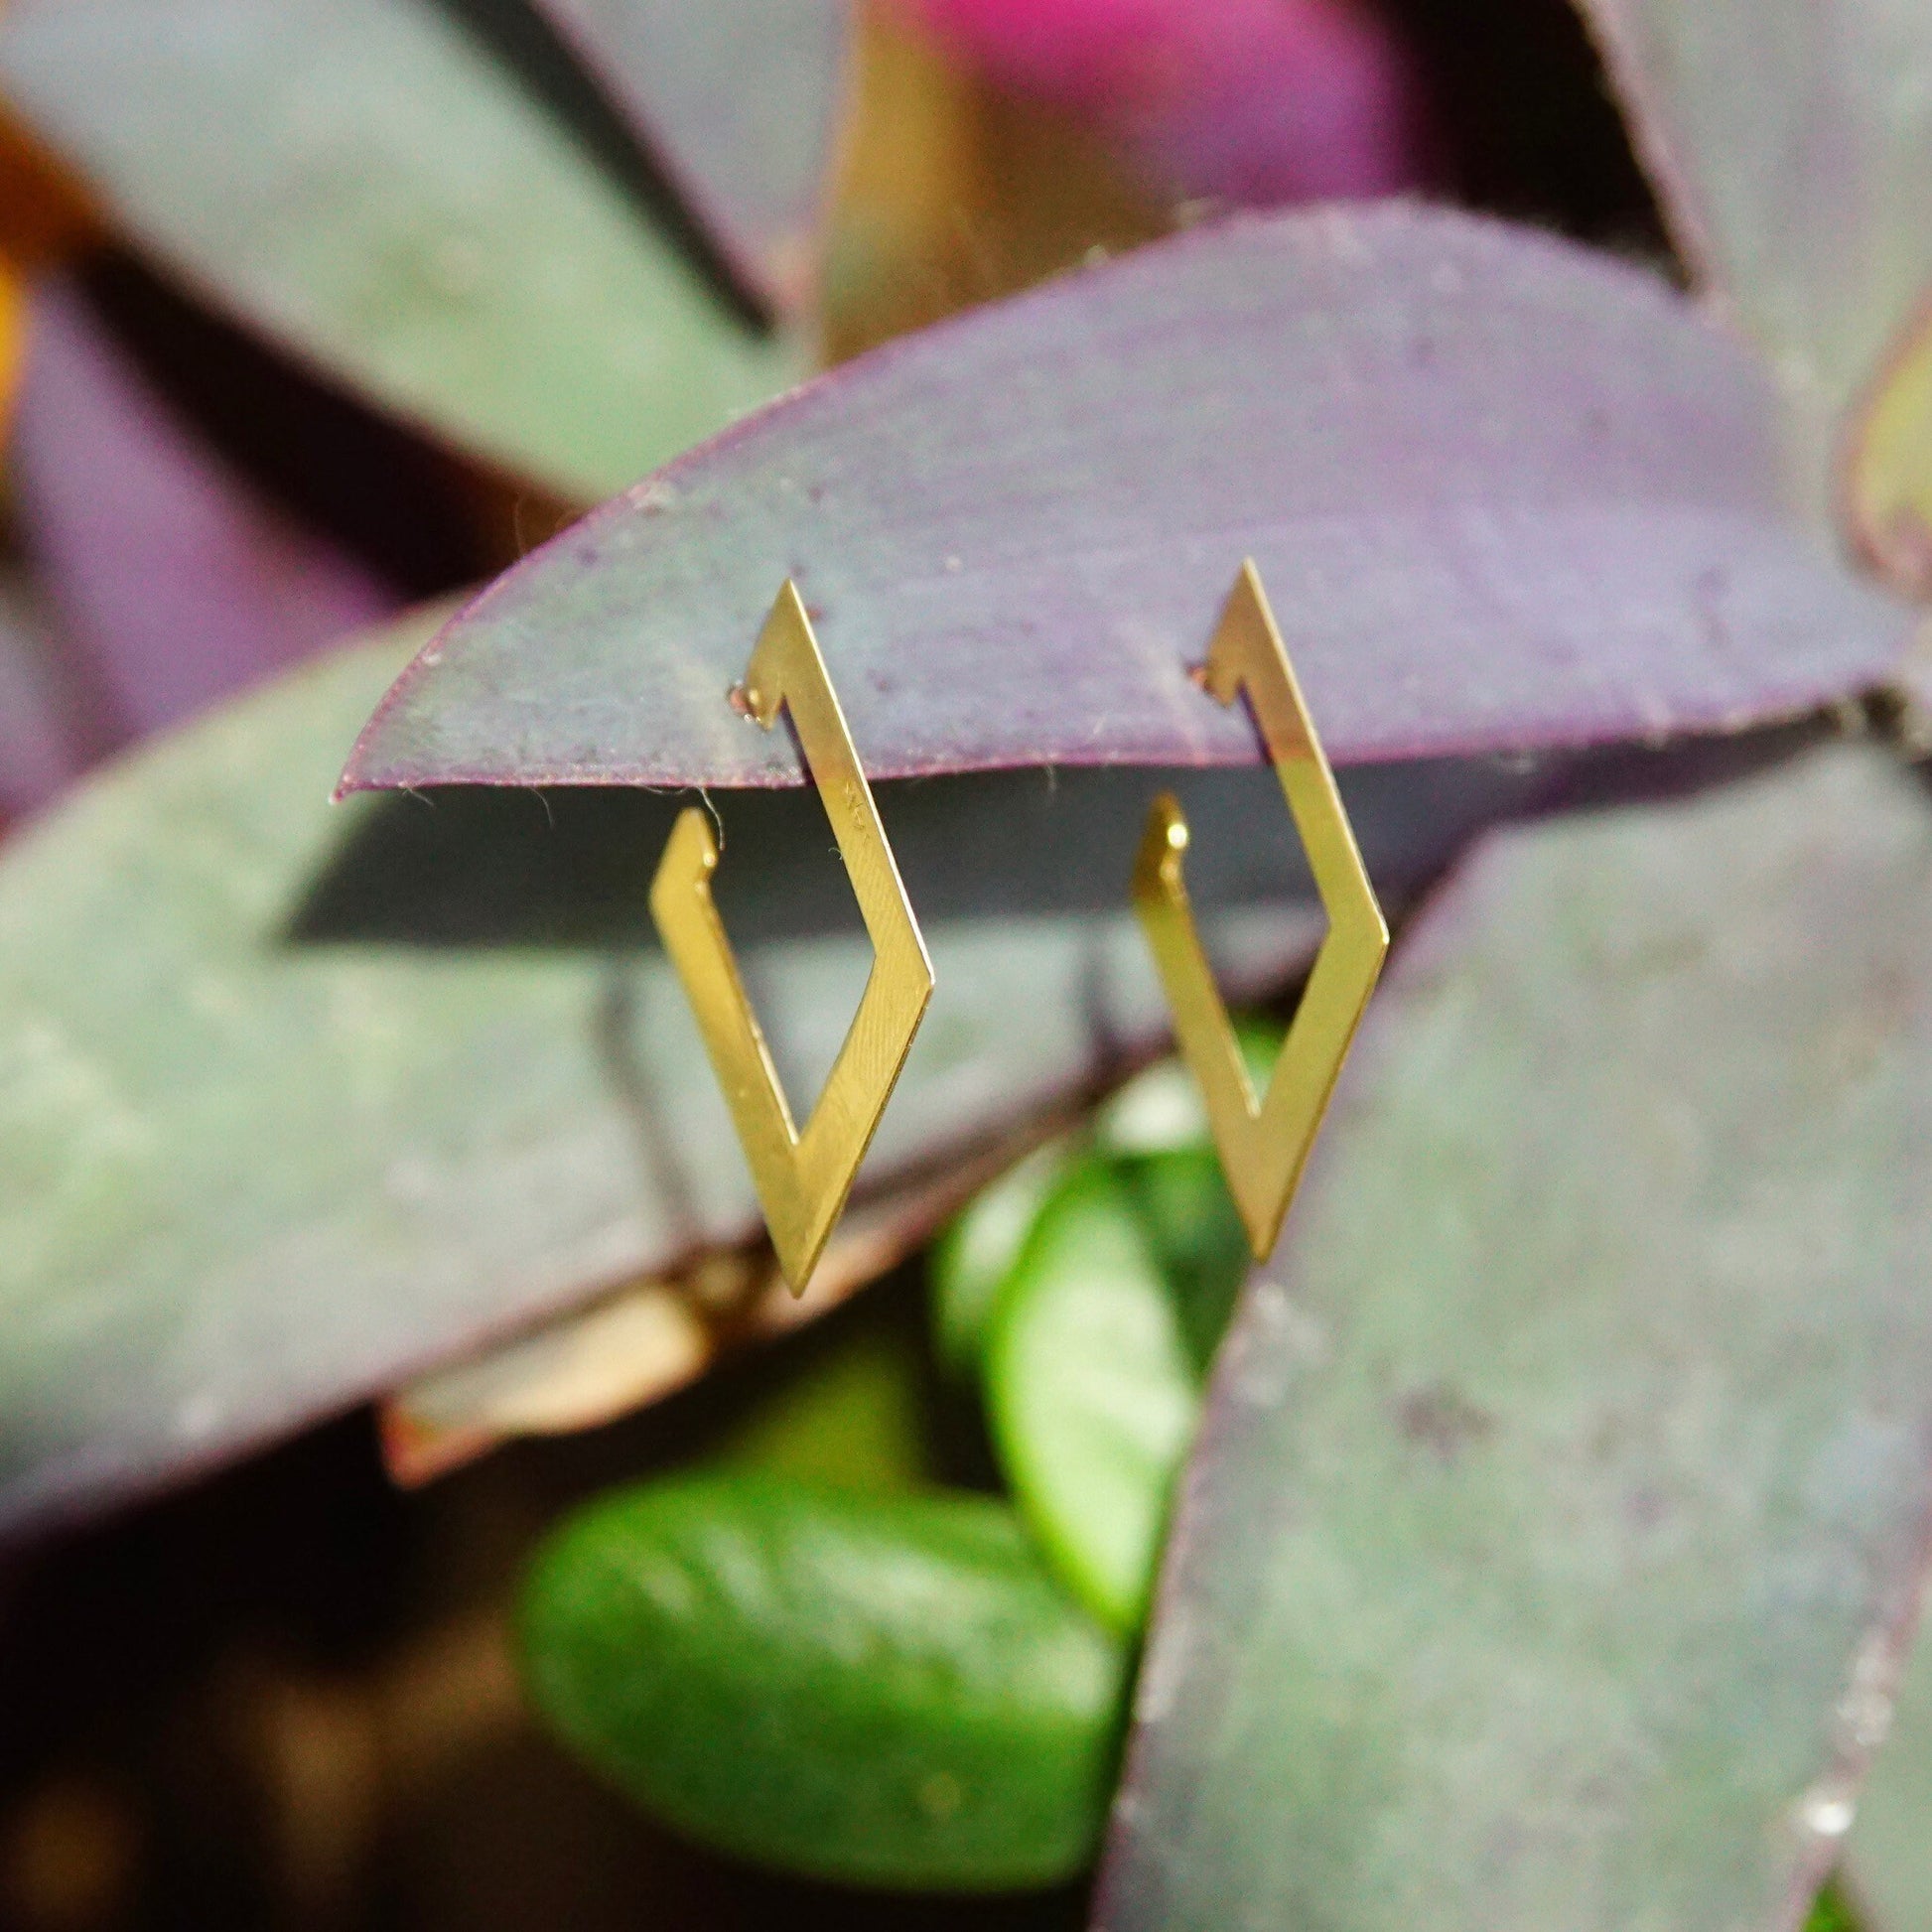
(1263, 1144)
(803, 1179)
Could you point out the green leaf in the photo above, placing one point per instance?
(1182, 1198)
(1090, 1393)
(1156, 1128)
(1830, 1913)
(971, 1260)
(361, 180)
(1559, 1515)
(1159, 1110)
(884, 1692)
(296, 1101)
(848, 1415)
(1888, 1857)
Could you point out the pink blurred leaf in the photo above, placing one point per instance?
(1260, 103)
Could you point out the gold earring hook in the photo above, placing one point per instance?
(803, 1179)
(1263, 1144)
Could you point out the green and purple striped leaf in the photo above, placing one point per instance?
(737, 101)
(1558, 1516)
(365, 184)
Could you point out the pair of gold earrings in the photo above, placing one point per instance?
(803, 1179)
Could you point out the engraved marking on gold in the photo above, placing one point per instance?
(803, 1179)
(1263, 1144)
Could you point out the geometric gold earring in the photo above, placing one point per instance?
(802, 1179)
(1264, 1143)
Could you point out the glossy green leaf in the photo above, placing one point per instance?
(1560, 1506)
(296, 1101)
(971, 1259)
(1829, 1913)
(848, 1416)
(1090, 1393)
(1194, 1228)
(1155, 1130)
(363, 182)
(884, 1691)
(1792, 143)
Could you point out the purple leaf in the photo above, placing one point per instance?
(1791, 141)
(1505, 494)
(176, 582)
(737, 101)
(1560, 1513)
(44, 740)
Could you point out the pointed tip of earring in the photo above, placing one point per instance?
(795, 1270)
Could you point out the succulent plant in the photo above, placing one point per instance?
(1535, 1539)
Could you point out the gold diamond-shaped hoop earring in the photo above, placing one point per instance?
(1263, 1144)
(802, 1179)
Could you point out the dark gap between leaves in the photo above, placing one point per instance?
(1532, 131)
(405, 507)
